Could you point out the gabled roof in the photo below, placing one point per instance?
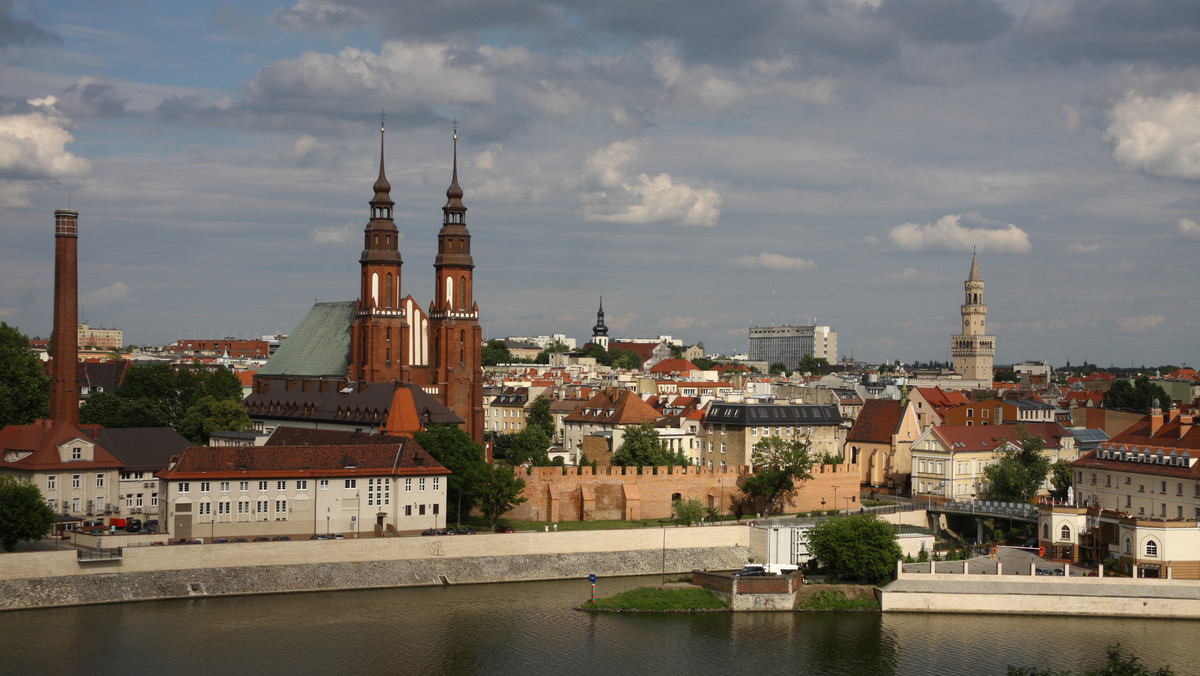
(319, 346)
(214, 462)
(846, 396)
(673, 366)
(342, 402)
(990, 437)
(644, 350)
(142, 448)
(38, 444)
(305, 436)
(940, 401)
(878, 421)
(613, 407)
(101, 376)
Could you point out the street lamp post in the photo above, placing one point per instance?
(835, 497)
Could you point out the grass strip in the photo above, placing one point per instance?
(659, 599)
(833, 599)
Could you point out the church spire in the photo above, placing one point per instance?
(454, 193)
(974, 276)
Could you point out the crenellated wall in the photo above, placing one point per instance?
(634, 493)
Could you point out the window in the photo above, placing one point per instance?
(435, 508)
(205, 508)
(74, 504)
(262, 486)
(281, 485)
(323, 484)
(224, 486)
(302, 485)
(1163, 510)
(1045, 531)
(421, 484)
(154, 499)
(970, 413)
(129, 500)
(1128, 546)
(1065, 534)
(205, 486)
(76, 453)
(408, 510)
(184, 487)
(52, 482)
(137, 501)
(223, 507)
(379, 492)
(1151, 548)
(351, 483)
(436, 480)
(1128, 500)
(243, 486)
(421, 510)
(1178, 489)
(262, 507)
(1108, 481)
(1178, 511)
(243, 507)
(1164, 488)
(99, 481)
(408, 485)
(75, 479)
(280, 510)
(722, 446)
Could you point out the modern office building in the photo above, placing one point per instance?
(787, 344)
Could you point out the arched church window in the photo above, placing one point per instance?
(389, 294)
(449, 290)
(462, 292)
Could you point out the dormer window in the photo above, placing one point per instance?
(76, 453)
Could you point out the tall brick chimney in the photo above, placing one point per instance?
(64, 396)
(1156, 417)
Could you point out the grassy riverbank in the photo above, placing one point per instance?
(855, 598)
(658, 599)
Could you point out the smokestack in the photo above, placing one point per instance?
(64, 395)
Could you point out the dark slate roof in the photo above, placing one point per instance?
(303, 436)
(100, 376)
(406, 458)
(340, 402)
(723, 413)
(143, 448)
(319, 346)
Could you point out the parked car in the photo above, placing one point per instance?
(195, 541)
(430, 531)
(92, 526)
(238, 540)
(505, 529)
(751, 571)
(281, 538)
(133, 525)
(465, 530)
(318, 536)
(337, 536)
(1042, 571)
(221, 541)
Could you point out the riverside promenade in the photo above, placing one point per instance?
(1012, 587)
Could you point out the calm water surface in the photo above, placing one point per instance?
(530, 628)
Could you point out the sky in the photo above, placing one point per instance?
(705, 166)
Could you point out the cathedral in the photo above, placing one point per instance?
(386, 336)
(973, 350)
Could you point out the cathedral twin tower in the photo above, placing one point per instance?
(391, 338)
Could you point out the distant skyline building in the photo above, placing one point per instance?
(973, 350)
(102, 338)
(788, 344)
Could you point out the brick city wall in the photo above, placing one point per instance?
(622, 493)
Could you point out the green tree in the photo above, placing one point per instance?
(598, 353)
(811, 364)
(109, 410)
(497, 489)
(174, 390)
(501, 442)
(529, 446)
(624, 359)
(1020, 471)
(24, 386)
(494, 352)
(455, 451)
(704, 363)
(641, 447)
(688, 512)
(1060, 480)
(1005, 377)
(222, 384)
(1137, 396)
(540, 416)
(24, 514)
(778, 368)
(777, 465)
(213, 415)
(861, 546)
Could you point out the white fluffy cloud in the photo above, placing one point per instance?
(1188, 228)
(33, 143)
(618, 197)
(773, 261)
(949, 234)
(333, 234)
(1080, 247)
(117, 292)
(1157, 135)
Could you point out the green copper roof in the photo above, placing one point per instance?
(318, 346)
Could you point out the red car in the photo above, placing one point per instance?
(505, 529)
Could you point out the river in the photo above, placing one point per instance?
(530, 628)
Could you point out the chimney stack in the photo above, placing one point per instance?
(64, 395)
(1156, 417)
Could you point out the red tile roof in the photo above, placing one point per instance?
(877, 421)
(613, 407)
(405, 459)
(37, 445)
(673, 366)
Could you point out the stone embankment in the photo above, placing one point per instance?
(954, 591)
(47, 579)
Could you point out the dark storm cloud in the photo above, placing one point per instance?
(16, 32)
(92, 98)
(1114, 30)
(947, 21)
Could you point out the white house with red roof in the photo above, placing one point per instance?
(949, 462)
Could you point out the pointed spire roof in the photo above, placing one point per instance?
(974, 276)
(382, 187)
(600, 329)
(454, 193)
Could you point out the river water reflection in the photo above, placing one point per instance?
(530, 628)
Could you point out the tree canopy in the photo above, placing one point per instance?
(811, 364)
(110, 410)
(494, 352)
(24, 514)
(1138, 396)
(454, 450)
(213, 415)
(160, 395)
(1060, 480)
(1020, 471)
(861, 546)
(529, 446)
(24, 386)
(497, 490)
(777, 465)
(539, 415)
(641, 447)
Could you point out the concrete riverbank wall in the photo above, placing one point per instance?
(47, 579)
(1041, 595)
